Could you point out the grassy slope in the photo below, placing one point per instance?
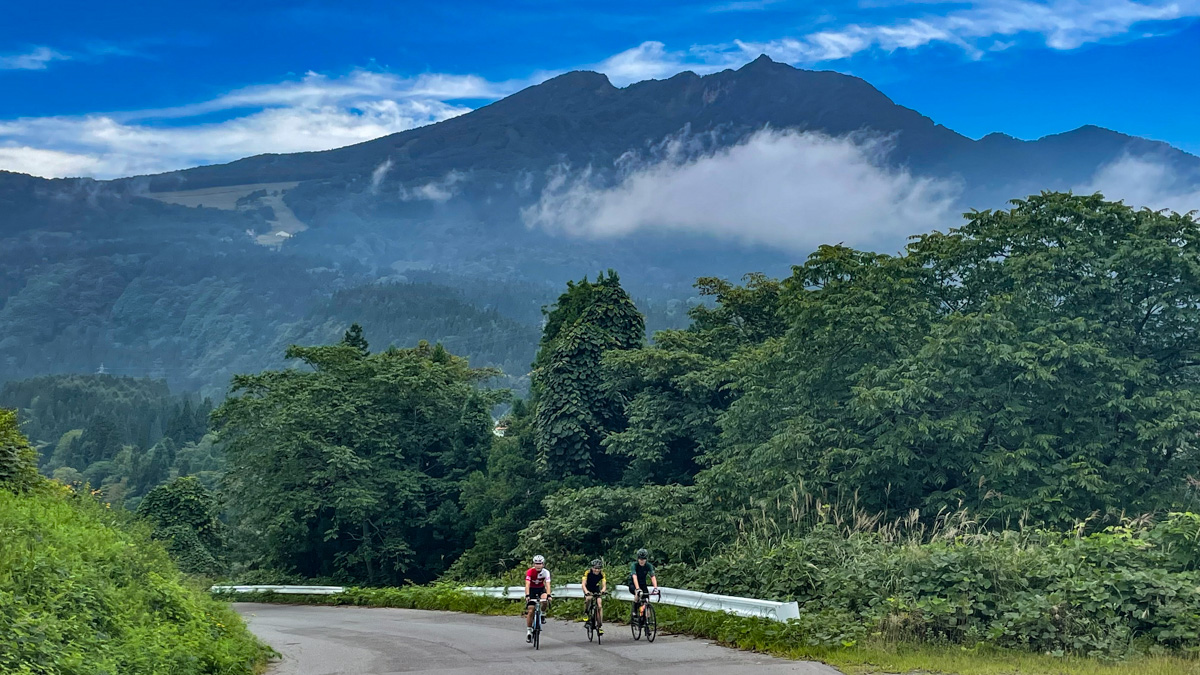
(82, 593)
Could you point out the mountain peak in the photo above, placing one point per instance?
(764, 64)
(579, 79)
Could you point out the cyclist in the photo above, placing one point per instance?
(537, 589)
(595, 584)
(639, 572)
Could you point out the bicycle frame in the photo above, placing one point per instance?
(539, 618)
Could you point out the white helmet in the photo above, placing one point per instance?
(539, 560)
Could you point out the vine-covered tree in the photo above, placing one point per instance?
(184, 515)
(574, 409)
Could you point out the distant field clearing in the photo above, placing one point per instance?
(227, 198)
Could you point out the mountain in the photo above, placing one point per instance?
(193, 275)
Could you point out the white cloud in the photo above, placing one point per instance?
(379, 174)
(37, 59)
(1142, 181)
(319, 112)
(652, 60)
(785, 189)
(314, 113)
(47, 163)
(1059, 24)
(316, 90)
(440, 190)
(988, 26)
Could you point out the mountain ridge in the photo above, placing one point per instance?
(768, 93)
(196, 274)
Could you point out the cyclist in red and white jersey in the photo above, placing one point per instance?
(537, 588)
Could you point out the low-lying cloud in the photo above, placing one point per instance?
(1145, 181)
(379, 173)
(440, 190)
(784, 189)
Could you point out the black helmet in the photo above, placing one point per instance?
(597, 563)
(642, 554)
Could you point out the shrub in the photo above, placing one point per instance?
(18, 461)
(1123, 590)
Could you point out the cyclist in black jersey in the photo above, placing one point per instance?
(594, 585)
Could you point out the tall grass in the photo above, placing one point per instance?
(82, 592)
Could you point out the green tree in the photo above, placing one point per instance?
(101, 441)
(353, 468)
(677, 388)
(1038, 362)
(501, 500)
(574, 410)
(18, 460)
(354, 338)
(184, 515)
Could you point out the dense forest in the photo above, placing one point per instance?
(122, 436)
(987, 438)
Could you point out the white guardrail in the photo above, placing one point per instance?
(711, 602)
(285, 590)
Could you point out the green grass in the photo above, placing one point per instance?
(893, 658)
(760, 635)
(84, 592)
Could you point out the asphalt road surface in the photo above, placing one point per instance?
(364, 641)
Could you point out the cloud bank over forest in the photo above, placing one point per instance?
(777, 188)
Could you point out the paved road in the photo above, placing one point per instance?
(361, 641)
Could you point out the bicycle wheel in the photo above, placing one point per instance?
(589, 623)
(635, 625)
(537, 628)
(651, 623)
(597, 622)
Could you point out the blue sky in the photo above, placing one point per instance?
(105, 90)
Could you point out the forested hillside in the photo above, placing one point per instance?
(122, 436)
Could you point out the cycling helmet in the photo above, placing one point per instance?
(597, 563)
(642, 554)
(539, 560)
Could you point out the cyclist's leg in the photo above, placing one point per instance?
(599, 611)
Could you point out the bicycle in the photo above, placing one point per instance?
(539, 618)
(646, 623)
(589, 624)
